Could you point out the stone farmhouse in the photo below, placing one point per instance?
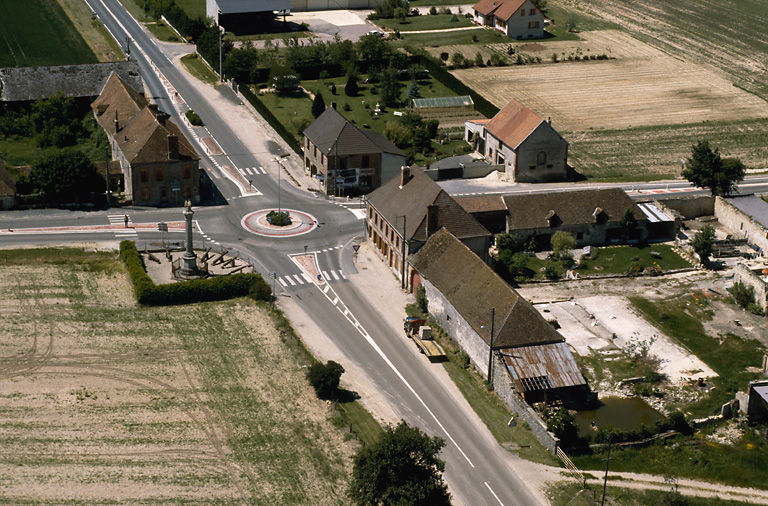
(405, 211)
(592, 216)
(158, 163)
(532, 357)
(521, 141)
(518, 19)
(347, 158)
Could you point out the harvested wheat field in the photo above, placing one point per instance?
(105, 401)
(642, 86)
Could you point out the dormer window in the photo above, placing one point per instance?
(600, 216)
(553, 219)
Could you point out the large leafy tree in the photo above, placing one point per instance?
(66, 176)
(706, 169)
(351, 88)
(390, 87)
(402, 467)
(318, 105)
(703, 243)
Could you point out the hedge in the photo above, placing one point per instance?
(292, 141)
(187, 292)
(438, 71)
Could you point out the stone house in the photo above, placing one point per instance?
(745, 217)
(470, 301)
(757, 404)
(405, 211)
(521, 141)
(489, 210)
(518, 19)
(347, 158)
(592, 216)
(159, 165)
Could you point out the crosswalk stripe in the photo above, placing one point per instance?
(298, 279)
(342, 275)
(335, 276)
(325, 275)
(282, 282)
(250, 173)
(306, 277)
(291, 281)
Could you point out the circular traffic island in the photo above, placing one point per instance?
(279, 223)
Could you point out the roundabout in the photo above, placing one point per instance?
(300, 223)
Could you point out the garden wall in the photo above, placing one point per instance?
(689, 207)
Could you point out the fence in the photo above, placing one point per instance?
(575, 471)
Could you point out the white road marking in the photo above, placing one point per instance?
(282, 282)
(291, 281)
(494, 493)
(306, 277)
(335, 276)
(326, 276)
(299, 280)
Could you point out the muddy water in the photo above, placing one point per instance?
(624, 414)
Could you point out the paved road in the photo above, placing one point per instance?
(478, 470)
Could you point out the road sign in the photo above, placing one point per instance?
(162, 227)
(355, 247)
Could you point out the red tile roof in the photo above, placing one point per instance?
(513, 124)
(500, 8)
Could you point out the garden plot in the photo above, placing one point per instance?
(642, 86)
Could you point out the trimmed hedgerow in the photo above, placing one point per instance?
(187, 292)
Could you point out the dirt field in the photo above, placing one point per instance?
(641, 86)
(101, 400)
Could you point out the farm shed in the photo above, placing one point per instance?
(244, 16)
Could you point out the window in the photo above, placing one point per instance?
(163, 193)
(314, 151)
(522, 12)
(366, 162)
(186, 192)
(186, 173)
(532, 12)
(144, 175)
(579, 236)
(541, 160)
(159, 175)
(145, 194)
(549, 165)
(500, 159)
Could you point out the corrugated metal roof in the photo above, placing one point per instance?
(542, 367)
(762, 391)
(653, 212)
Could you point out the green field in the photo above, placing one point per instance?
(617, 259)
(478, 36)
(427, 22)
(199, 69)
(38, 32)
(646, 153)
(193, 8)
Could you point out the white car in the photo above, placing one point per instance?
(377, 33)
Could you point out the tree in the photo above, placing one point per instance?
(703, 241)
(333, 88)
(390, 87)
(561, 423)
(706, 169)
(318, 105)
(66, 176)
(628, 223)
(413, 90)
(351, 88)
(325, 378)
(402, 467)
(562, 241)
(506, 241)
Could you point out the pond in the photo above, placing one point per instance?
(624, 414)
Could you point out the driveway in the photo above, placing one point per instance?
(349, 25)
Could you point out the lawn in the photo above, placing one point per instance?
(571, 494)
(202, 403)
(96, 36)
(162, 31)
(426, 22)
(477, 36)
(617, 259)
(296, 112)
(198, 68)
(38, 32)
(193, 8)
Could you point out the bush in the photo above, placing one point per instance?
(278, 219)
(193, 118)
(552, 269)
(325, 378)
(187, 292)
(433, 10)
(421, 300)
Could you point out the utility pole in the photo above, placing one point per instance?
(279, 166)
(490, 349)
(607, 463)
(221, 75)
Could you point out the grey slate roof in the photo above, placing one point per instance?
(241, 6)
(411, 200)
(333, 134)
(472, 287)
(529, 211)
(32, 83)
(753, 206)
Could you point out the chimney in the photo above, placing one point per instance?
(333, 105)
(432, 212)
(173, 147)
(405, 175)
(153, 108)
(117, 123)
(549, 119)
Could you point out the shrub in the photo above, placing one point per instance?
(433, 10)
(278, 219)
(454, 19)
(421, 300)
(325, 378)
(444, 56)
(553, 269)
(187, 292)
(193, 118)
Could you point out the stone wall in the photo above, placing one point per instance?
(742, 272)
(741, 225)
(477, 350)
(689, 207)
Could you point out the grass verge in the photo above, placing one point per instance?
(572, 494)
(162, 32)
(426, 22)
(197, 67)
(486, 404)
